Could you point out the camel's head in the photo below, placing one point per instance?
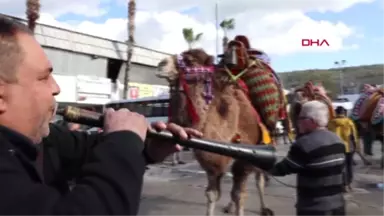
(195, 59)
(186, 73)
(311, 92)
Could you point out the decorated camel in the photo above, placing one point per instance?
(309, 92)
(209, 98)
(368, 111)
(250, 68)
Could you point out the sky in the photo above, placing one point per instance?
(354, 29)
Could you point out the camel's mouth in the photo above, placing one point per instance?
(165, 68)
(160, 72)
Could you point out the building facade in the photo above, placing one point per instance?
(82, 60)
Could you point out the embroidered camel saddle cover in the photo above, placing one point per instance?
(316, 91)
(369, 107)
(261, 82)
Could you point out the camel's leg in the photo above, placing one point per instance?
(260, 184)
(213, 192)
(238, 192)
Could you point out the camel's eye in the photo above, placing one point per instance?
(190, 59)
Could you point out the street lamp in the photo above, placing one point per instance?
(340, 65)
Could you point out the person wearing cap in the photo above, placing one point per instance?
(346, 130)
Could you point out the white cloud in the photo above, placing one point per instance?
(230, 7)
(271, 25)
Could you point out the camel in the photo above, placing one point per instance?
(306, 93)
(204, 97)
(368, 111)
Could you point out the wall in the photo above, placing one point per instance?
(70, 63)
(66, 39)
(73, 64)
(83, 89)
(142, 74)
(142, 77)
(68, 88)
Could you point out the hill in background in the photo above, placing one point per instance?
(354, 78)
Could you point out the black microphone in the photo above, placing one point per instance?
(262, 156)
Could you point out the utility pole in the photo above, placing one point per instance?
(340, 65)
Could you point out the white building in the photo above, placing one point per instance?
(85, 66)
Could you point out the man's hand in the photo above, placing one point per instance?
(123, 119)
(158, 151)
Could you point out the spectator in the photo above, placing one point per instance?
(176, 159)
(108, 167)
(318, 158)
(344, 127)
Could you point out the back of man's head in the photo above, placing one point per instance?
(11, 54)
(317, 111)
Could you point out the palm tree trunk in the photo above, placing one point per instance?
(225, 42)
(33, 10)
(130, 44)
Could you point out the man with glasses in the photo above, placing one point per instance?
(317, 157)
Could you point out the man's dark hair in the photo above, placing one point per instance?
(340, 110)
(11, 54)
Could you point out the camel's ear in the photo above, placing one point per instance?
(209, 60)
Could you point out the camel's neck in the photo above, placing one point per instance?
(196, 93)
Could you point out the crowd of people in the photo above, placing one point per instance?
(38, 159)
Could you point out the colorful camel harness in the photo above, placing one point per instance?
(205, 73)
(369, 96)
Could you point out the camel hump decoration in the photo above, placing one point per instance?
(252, 71)
(309, 92)
(316, 91)
(369, 107)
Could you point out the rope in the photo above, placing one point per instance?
(279, 181)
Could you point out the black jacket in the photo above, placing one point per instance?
(108, 170)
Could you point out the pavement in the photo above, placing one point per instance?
(179, 190)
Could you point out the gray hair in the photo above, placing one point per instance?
(317, 111)
(11, 54)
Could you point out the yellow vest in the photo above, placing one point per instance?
(345, 128)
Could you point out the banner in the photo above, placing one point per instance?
(159, 90)
(93, 89)
(133, 92)
(140, 90)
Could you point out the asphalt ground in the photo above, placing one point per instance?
(179, 190)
